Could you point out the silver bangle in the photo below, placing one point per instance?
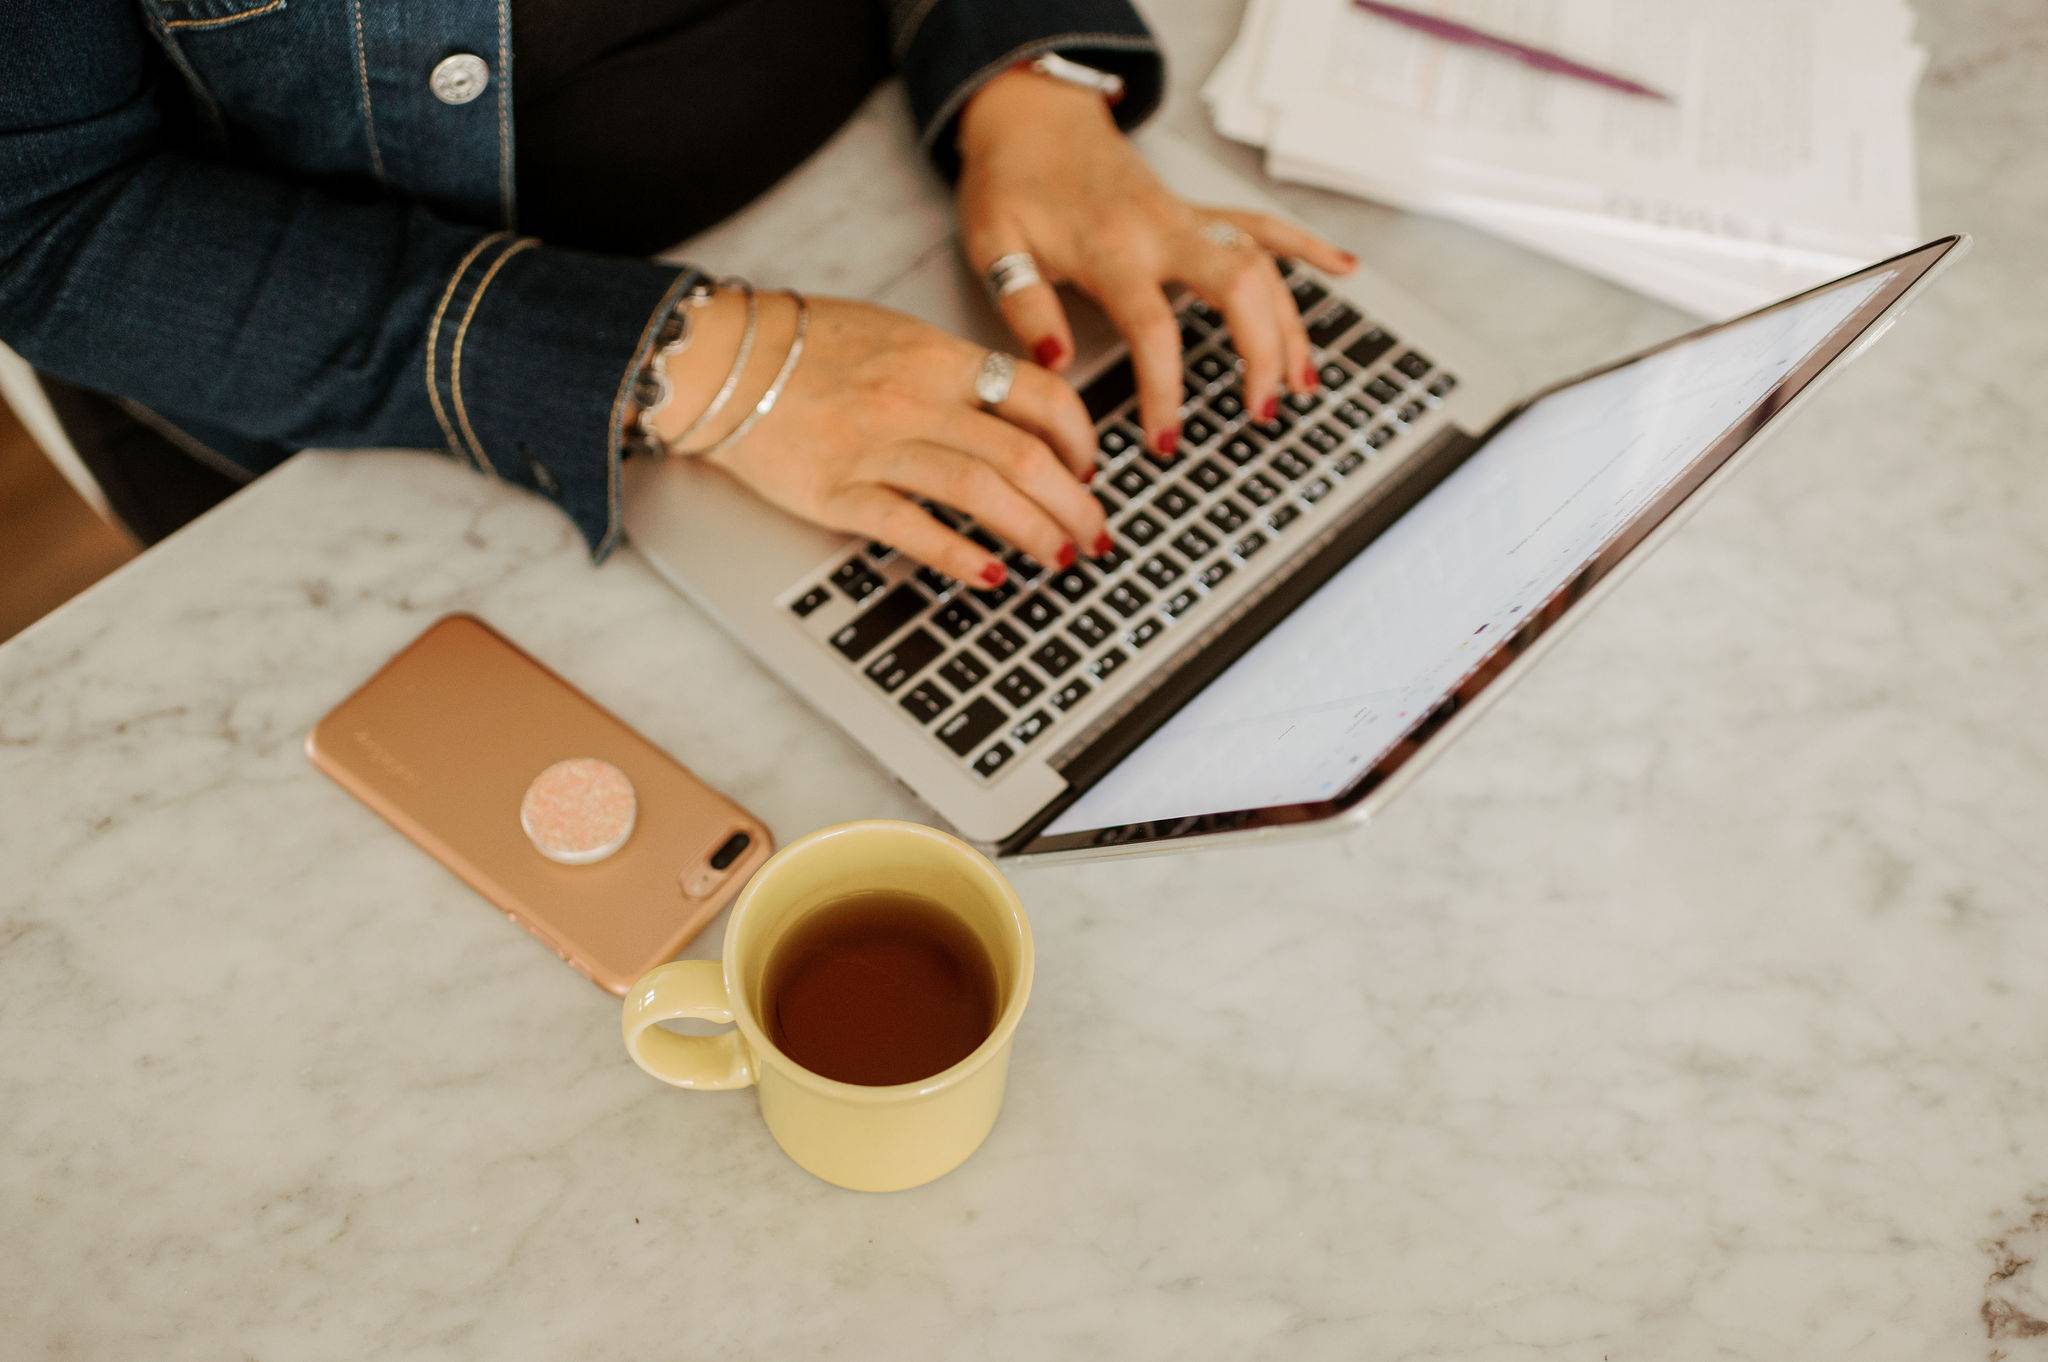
(654, 389)
(775, 385)
(732, 377)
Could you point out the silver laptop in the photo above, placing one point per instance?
(1299, 613)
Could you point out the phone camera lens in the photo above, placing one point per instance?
(729, 850)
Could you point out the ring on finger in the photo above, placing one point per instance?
(1008, 273)
(994, 379)
(1228, 235)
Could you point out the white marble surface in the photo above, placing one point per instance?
(1695, 1006)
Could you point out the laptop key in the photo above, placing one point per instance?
(955, 618)
(1117, 441)
(1126, 599)
(965, 730)
(1104, 667)
(1379, 436)
(1348, 465)
(1249, 545)
(1197, 430)
(1211, 367)
(994, 596)
(910, 655)
(1259, 489)
(1030, 726)
(1206, 315)
(1335, 373)
(1307, 293)
(1314, 490)
(1227, 406)
(1225, 515)
(1382, 390)
(1182, 602)
(1130, 480)
(1409, 412)
(1036, 610)
(1091, 627)
(1140, 529)
(1192, 542)
(1055, 658)
(992, 761)
(1351, 414)
(1442, 384)
(805, 604)
(1368, 347)
(1000, 641)
(1301, 404)
(936, 582)
(1323, 438)
(964, 670)
(925, 701)
(1069, 695)
(896, 609)
(1241, 448)
(878, 552)
(1019, 687)
(853, 578)
(1208, 475)
(1110, 390)
(1023, 566)
(1283, 515)
(1215, 573)
(1144, 633)
(1160, 570)
(1071, 583)
(1292, 464)
(1413, 365)
(1173, 502)
(1332, 324)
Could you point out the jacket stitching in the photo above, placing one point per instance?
(615, 434)
(363, 85)
(462, 333)
(1119, 42)
(434, 340)
(187, 442)
(207, 103)
(505, 110)
(225, 19)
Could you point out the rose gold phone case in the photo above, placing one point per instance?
(443, 741)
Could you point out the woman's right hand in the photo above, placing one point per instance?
(881, 411)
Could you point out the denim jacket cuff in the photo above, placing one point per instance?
(948, 49)
(530, 356)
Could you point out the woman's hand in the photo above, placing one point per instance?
(881, 410)
(1047, 171)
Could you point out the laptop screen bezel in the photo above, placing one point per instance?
(1910, 270)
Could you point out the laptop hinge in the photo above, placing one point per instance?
(1093, 752)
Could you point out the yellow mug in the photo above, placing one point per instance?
(870, 1139)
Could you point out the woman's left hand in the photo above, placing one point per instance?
(1045, 170)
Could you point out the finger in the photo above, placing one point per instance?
(1033, 314)
(1030, 466)
(1282, 237)
(1141, 314)
(1054, 412)
(956, 477)
(1297, 358)
(884, 514)
(1239, 282)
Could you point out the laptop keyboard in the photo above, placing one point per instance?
(987, 673)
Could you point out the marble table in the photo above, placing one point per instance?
(1694, 1006)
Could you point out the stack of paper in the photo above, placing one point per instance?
(1784, 159)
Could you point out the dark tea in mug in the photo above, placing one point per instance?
(878, 989)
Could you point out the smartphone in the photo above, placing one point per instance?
(444, 742)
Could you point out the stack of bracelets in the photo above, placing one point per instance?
(653, 389)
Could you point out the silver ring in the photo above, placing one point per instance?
(992, 381)
(1229, 236)
(1008, 273)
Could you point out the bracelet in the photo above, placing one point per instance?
(652, 388)
(775, 386)
(732, 376)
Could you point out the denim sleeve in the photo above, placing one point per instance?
(286, 313)
(948, 49)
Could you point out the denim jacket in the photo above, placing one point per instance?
(281, 223)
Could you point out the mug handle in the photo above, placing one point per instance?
(692, 989)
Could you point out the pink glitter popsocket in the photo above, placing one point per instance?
(579, 811)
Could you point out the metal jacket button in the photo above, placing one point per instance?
(460, 78)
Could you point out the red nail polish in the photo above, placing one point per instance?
(1166, 441)
(992, 575)
(1066, 558)
(1048, 351)
(1309, 381)
(1102, 546)
(1089, 476)
(1350, 260)
(1270, 409)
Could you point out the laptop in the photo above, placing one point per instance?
(1298, 614)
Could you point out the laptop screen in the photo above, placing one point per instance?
(1330, 693)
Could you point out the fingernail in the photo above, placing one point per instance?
(1166, 441)
(992, 575)
(1350, 260)
(1270, 408)
(1066, 558)
(1102, 546)
(1309, 381)
(1089, 476)
(1048, 351)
